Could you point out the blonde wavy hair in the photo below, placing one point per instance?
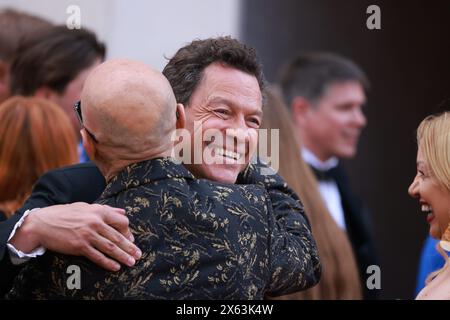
(433, 136)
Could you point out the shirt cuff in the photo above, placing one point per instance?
(18, 257)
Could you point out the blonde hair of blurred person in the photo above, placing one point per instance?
(340, 277)
(15, 26)
(431, 186)
(35, 136)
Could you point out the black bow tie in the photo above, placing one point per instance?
(324, 175)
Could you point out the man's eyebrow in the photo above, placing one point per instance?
(220, 100)
(258, 113)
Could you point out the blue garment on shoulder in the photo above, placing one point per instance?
(430, 260)
(82, 153)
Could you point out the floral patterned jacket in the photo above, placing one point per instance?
(200, 240)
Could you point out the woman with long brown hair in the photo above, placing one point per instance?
(340, 277)
(35, 136)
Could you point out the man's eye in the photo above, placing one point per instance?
(255, 121)
(222, 111)
(345, 107)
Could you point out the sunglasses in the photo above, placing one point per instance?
(77, 107)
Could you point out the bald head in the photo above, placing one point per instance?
(129, 106)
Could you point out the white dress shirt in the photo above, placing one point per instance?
(328, 189)
(17, 256)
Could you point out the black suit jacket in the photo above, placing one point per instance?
(359, 229)
(200, 240)
(81, 182)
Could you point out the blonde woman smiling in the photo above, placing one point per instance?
(431, 186)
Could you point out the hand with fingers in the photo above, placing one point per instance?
(98, 232)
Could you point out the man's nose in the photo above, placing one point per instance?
(413, 188)
(238, 135)
(240, 130)
(359, 118)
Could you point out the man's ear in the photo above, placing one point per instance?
(88, 145)
(300, 109)
(181, 116)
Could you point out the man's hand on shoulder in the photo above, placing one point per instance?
(98, 232)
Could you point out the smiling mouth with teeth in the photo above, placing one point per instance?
(426, 208)
(228, 153)
(428, 211)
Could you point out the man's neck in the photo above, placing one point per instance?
(112, 168)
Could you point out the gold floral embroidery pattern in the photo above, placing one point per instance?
(200, 240)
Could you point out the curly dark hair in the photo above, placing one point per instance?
(185, 69)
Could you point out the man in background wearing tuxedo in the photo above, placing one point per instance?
(325, 93)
